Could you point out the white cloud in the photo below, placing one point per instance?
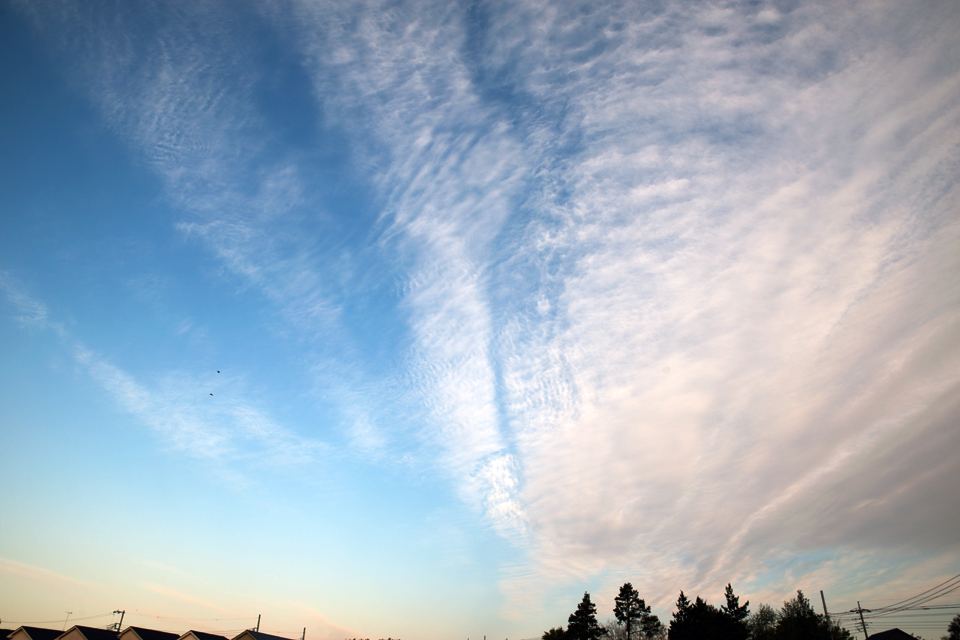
(207, 418)
(181, 93)
(737, 306)
(32, 313)
(447, 170)
(727, 208)
(679, 282)
(217, 426)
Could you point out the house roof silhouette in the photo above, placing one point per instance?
(31, 633)
(80, 632)
(891, 634)
(132, 633)
(257, 635)
(201, 635)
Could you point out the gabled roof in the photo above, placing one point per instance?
(202, 635)
(34, 633)
(92, 633)
(259, 635)
(892, 634)
(147, 634)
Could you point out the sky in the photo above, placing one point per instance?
(418, 319)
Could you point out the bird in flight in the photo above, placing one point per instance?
(211, 394)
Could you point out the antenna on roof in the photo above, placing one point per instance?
(65, 621)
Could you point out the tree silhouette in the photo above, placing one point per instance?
(733, 608)
(582, 624)
(651, 627)
(683, 609)
(702, 620)
(629, 608)
(953, 629)
(798, 621)
(763, 623)
(557, 633)
(737, 614)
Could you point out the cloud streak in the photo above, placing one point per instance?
(216, 426)
(448, 170)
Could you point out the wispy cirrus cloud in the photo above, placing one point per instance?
(705, 236)
(180, 87)
(200, 423)
(206, 418)
(31, 313)
(721, 216)
(44, 576)
(674, 282)
(734, 303)
(449, 171)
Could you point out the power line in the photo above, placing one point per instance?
(102, 615)
(143, 615)
(925, 592)
(942, 589)
(910, 604)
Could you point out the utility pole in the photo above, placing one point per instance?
(258, 624)
(824, 601)
(120, 624)
(303, 636)
(864, 624)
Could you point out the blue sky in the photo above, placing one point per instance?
(418, 319)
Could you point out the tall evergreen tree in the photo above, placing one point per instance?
(683, 608)
(582, 624)
(733, 608)
(629, 608)
(736, 614)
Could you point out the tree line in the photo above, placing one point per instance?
(697, 620)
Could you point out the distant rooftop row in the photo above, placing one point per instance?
(130, 633)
